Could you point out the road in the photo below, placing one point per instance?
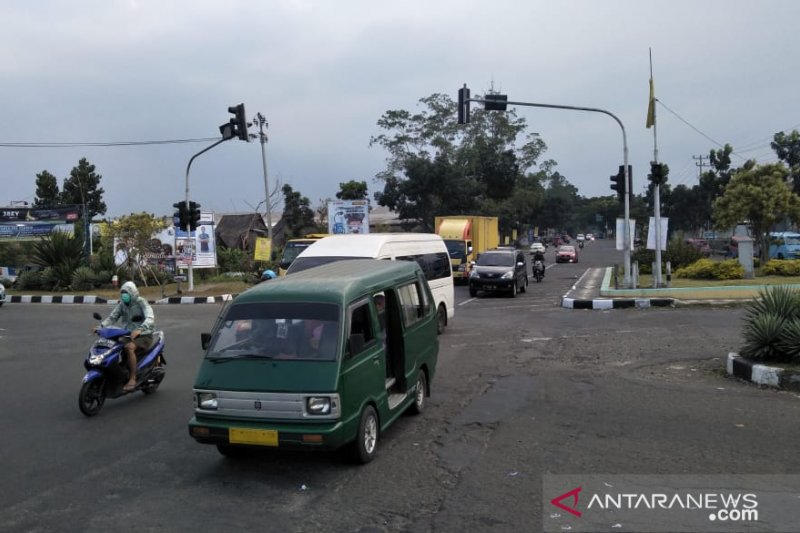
(523, 388)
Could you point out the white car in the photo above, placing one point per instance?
(589, 236)
(580, 237)
(2, 294)
(538, 247)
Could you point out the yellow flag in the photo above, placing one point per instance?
(263, 249)
(651, 106)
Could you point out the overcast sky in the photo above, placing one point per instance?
(323, 72)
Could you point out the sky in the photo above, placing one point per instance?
(323, 72)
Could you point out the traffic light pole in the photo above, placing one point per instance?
(626, 238)
(190, 229)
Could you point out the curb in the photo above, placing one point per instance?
(73, 299)
(768, 376)
(616, 303)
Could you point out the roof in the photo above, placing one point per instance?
(233, 231)
(369, 244)
(339, 282)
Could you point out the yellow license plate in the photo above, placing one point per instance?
(260, 437)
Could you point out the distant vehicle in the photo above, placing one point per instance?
(499, 270)
(701, 244)
(589, 237)
(566, 254)
(537, 247)
(580, 237)
(784, 245)
(2, 294)
(294, 247)
(466, 237)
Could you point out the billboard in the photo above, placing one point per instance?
(199, 247)
(348, 216)
(25, 223)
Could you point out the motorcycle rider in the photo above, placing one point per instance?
(132, 305)
(538, 255)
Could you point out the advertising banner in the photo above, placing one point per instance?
(197, 248)
(67, 213)
(263, 249)
(621, 232)
(348, 216)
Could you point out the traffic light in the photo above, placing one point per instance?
(181, 216)
(194, 216)
(618, 184)
(463, 105)
(658, 173)
(238, 122)
(495, 102)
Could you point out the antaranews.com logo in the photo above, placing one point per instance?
(654, 504)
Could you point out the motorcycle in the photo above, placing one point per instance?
(538, 270)
(580, 245)
(107, 370)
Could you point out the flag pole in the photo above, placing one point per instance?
(657, 188)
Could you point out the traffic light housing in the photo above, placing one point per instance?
(618, 184)
(181, 216)
(495, 102)
(463, 105)
(658, 173)
(194, 216)
(239, 122)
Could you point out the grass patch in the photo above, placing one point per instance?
(646, 280)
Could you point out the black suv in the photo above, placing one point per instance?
(499, 270)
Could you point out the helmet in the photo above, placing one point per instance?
(268, 274)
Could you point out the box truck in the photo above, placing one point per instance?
(466, 237)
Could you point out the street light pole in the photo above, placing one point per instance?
(626, 239)
(262, 124)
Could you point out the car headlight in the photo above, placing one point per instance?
(205, 400)
(473, 273)
(507, 275)
(318, 405)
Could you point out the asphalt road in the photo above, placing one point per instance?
(523, 388)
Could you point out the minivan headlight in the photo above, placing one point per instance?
(508, 275)
(205, 400)
(318, 405)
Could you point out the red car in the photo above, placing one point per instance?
(566, 254)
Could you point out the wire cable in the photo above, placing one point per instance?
(102, 144)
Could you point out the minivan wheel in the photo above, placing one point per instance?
(524, 285)
(366, 442)
(441, 319)
(419, 393)
(514, 289)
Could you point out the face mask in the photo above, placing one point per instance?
(125, 297)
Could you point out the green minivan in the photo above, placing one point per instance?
(327, 357)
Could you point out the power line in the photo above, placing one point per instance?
(102, 144)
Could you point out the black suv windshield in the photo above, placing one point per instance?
(492, 259)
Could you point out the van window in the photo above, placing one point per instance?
(304, 263)
(412, 302)
(361, 324)
(434, 265)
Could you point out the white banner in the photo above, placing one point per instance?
(621, 232)
(651, 233)
(348, 216)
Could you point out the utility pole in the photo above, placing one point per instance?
(263, 124)
(700, 163)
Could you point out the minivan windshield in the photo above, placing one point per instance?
(304, 263)
(277, 330)
(495, 259)
(291, 251)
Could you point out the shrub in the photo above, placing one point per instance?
(49, 279)
(772, 325)
(678, 253)
(709, 269)
(83, 279)
(103, 277)
(29, 281)
(782, 267)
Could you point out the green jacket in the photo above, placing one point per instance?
(123, 314)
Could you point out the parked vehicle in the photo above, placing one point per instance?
(2, 294)
(466, 238)
(566, 254)
(701, 244)
(426, 249)
(784, 245)
(107, 371)
(499, 270)
(374, 357)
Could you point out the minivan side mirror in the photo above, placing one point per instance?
(205, 340)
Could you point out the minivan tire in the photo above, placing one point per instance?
(366, 443)
(441, 319)
(419, 393)
(514, 289)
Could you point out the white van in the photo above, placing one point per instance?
(427, 249)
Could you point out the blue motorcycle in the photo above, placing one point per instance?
(107, 371)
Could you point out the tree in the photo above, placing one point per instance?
(298, 217)
(352, 190)
(83, 186)
(787, 148)
(760, 195)
(47, 193)
(134, 238)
